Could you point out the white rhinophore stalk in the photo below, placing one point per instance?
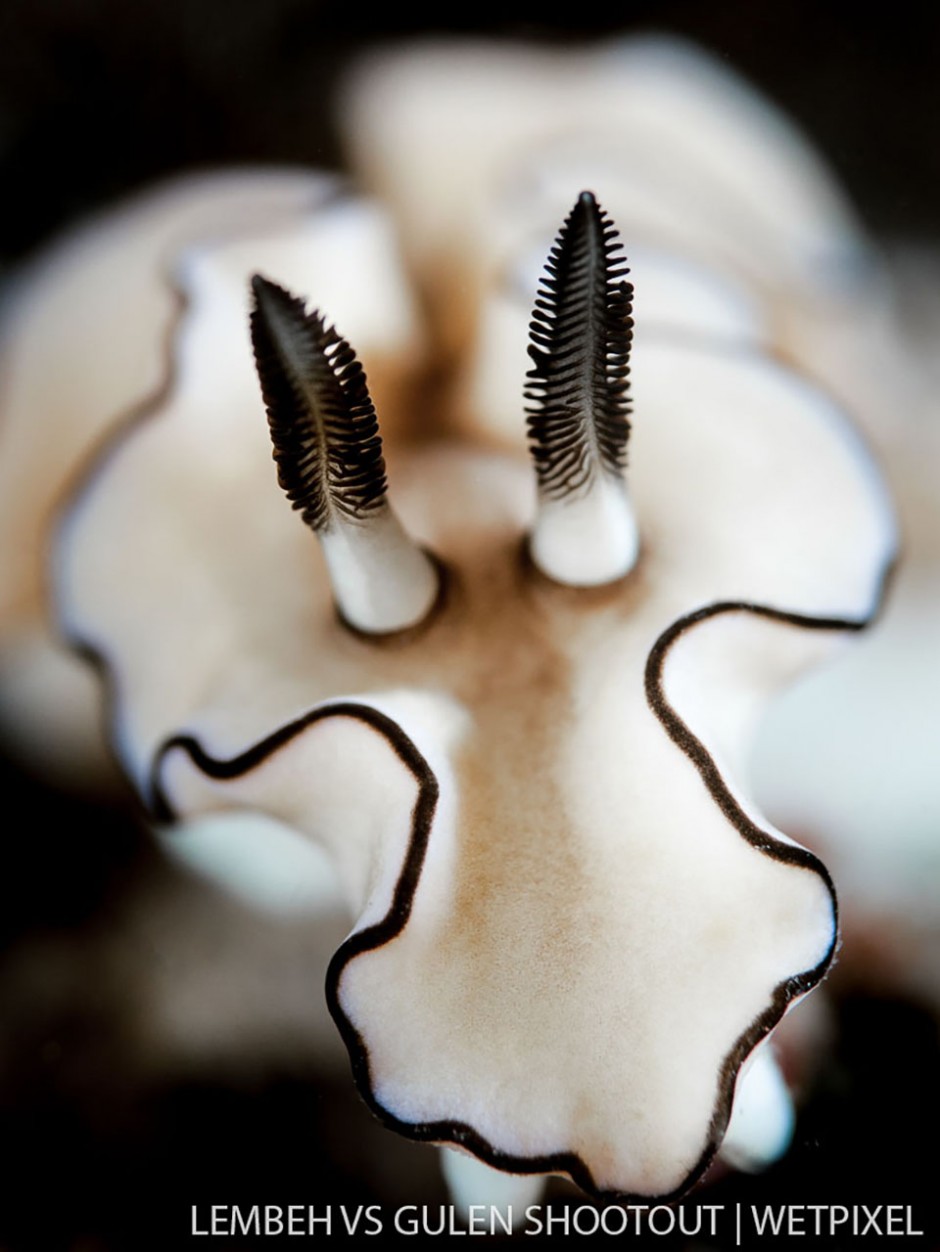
(382, 581)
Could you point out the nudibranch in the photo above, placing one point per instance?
(509, 695)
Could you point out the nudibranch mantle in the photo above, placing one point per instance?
(572, 926)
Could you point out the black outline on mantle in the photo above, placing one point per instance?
(393, 923)
(111, 441)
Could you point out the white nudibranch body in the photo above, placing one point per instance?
(573, 924)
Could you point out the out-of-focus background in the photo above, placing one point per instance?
(150, 1057)
(98, 98)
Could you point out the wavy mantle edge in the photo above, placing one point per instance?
(393, 923)
(396, 918)
(359, 942)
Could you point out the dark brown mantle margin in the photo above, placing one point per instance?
(395, 920)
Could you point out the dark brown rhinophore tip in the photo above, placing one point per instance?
(580, 336)
(321, 417)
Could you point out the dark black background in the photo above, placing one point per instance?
(99, 98)
(96, 98)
